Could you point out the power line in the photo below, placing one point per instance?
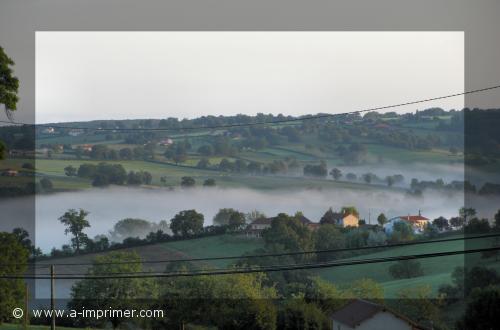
(259, 269)
(280, 254)
(274, 122)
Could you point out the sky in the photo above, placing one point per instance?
(84, 76)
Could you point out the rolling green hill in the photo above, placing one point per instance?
(437, 271)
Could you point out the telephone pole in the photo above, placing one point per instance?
(52, 305)
(26, 295)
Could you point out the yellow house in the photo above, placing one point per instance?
(346, 220)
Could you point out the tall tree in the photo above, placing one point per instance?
(382, 219)
(457, 222)
(441, 223)
(466, 212)
(187, 181)
(328, 237)
(482, 310)
(236, 301)
(188, 222)
(9, 84)
(76, 222)
(417, 303)
(223, 215)
(402, 231)
(13, 260)
(406, 269)
(497, 220)
(350, 210)
(299, 314)
(237, 220)
(131, 227)
(336, 173)
(289, 234)
(115, 293)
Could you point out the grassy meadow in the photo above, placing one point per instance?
(437, 270)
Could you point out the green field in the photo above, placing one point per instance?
(437, 270)
(205, 247)
(309, 148)
(54, 169)
(437, 156)
(215, 246)
(81, 139)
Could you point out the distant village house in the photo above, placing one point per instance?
(346, 219)
(166, 142)
(256, 228)
(75, 132)
(86, 147)
(49, 130)
(9, 172)
(21, 153)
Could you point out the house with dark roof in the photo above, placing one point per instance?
(306, 222)
(257, 226)
(365, 315)
(345, 219)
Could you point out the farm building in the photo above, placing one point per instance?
(418, 222)
(364, 315)
(165, 142)
(9, 172)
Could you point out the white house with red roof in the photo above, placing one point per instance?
(418, 222)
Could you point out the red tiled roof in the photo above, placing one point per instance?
(413, 218)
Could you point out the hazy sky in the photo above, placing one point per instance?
(120, 75)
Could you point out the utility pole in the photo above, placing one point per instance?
(52, 305)
(26, 295)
